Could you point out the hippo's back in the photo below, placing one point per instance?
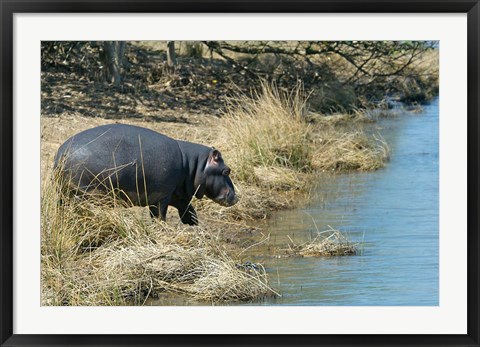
(124, 157)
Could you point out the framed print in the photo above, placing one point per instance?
(183, 173)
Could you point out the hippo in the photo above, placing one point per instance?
(146, 168)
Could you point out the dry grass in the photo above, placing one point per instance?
(275, 143)
(101, 253)
(340, 151)
(326, 243)
(268, 130)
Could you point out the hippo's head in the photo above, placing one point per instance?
(217, 184)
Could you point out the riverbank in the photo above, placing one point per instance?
(94, 254)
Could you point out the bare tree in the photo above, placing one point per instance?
(368, 60)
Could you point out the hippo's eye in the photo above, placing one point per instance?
(226, 172)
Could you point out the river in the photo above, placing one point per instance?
(393, 213)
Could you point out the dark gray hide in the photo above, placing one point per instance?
(148, 168)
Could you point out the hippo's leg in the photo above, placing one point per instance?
(186, 212)
(189, 216)
(159, 210)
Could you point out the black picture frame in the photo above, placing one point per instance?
(10, 7)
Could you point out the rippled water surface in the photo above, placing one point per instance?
(392, 212)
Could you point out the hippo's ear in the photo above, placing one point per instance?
(215, 157)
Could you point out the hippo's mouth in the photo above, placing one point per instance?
(227, 201)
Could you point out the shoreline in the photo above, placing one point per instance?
(228, 231)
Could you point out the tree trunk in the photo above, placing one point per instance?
(171, 57)
(113, 59)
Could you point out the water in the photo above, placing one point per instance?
(393, 212)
